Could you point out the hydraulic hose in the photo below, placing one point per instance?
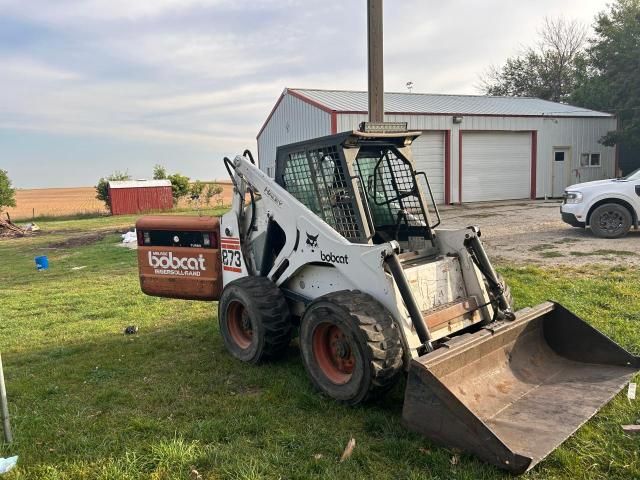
(247, 153)
(480, 259)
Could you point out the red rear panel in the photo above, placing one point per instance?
(179, 257)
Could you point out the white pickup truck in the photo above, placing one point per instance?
(609, 207)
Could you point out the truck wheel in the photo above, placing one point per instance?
(610, 220)
(350, 346)
(254, 319)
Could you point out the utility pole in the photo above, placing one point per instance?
(6, 428)
(376, 69)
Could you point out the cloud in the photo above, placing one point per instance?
(27, 68)
(198, 77)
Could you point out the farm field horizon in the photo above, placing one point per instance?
(66, 201)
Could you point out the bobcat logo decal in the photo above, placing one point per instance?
(312, 241)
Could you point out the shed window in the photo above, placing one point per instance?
(584, 160)
(589, 160)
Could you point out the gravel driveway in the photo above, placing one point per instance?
(531, 232)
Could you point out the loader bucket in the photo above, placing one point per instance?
(514, 391)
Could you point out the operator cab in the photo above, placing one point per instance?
(362, 183)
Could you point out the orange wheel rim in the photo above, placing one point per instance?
(239, 325)
(333, 353)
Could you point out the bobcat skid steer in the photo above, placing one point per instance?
(342, 248)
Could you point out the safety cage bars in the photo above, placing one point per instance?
(316, 174)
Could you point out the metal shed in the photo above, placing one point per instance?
(474, 148)
(136, 196)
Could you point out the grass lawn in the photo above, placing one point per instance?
(89, 402)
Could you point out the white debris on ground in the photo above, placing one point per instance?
(130, 237)
(129, 240)
(7, 464)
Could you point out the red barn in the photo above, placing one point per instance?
(136, 196)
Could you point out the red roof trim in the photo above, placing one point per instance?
(327, 109)
(273, 110)
(307, 100)
(299, 96)
(358, 112)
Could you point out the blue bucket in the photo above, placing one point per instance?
(42, 263)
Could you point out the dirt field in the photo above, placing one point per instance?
(56, 202)
(532, 232)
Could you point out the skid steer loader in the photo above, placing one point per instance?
(342, 248)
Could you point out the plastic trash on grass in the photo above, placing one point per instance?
(7, 464)
(130, 237)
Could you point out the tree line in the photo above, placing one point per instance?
(599, 71)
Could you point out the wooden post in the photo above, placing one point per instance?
(6, 427)
(376, 65)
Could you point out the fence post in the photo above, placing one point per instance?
(6, 427)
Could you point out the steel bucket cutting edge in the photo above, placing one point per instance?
(512, 392)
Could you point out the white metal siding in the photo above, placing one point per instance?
(496, 166)
(581, 134)
(428, 155)
(292, 121)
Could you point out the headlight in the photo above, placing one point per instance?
(573, 197)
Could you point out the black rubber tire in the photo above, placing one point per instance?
(373, 338)
(614, 214)
(268, 315)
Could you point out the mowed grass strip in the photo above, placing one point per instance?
(88, 402)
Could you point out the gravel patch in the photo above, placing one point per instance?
(533, 233)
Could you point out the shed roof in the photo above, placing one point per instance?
(139, 183)
(343, 101)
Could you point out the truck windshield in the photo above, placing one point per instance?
(635, 175)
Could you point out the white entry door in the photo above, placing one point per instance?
(559, 170)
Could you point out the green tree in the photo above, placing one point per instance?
(159, 172)
(212, 190)
(102, 188)
(179, 186)
(548, 70)
(196, 190)
(7, 192)
(610, 75)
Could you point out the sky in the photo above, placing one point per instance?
(94, 86)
